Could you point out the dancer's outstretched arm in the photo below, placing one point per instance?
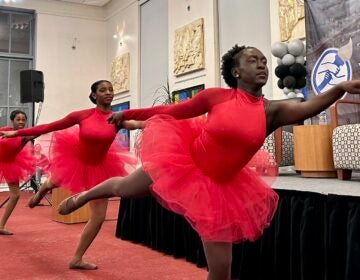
(68, 121)
(134, 185)
(290, 112)
(132, 125)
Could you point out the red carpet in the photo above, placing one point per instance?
(41, 248)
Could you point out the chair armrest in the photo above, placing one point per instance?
(334, 110)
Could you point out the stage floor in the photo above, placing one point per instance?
(289, 180)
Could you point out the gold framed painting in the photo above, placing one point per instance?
(120, 73)
(291, 19)
(189, 48)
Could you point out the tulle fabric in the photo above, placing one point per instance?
(68, 168)
(41, 153)
(16, 165)
(233, 210)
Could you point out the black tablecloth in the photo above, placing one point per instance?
(312, 237)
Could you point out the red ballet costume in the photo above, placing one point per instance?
(85, 154)
(17, 162)
(198, 167)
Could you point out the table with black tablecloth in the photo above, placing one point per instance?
(313, 236)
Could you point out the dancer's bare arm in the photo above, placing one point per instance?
(287, 112)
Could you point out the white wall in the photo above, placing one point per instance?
(154, 42)
(275, 37)
(179, 16)
(53, 7)
(124, 16)
(68, 73)
(246, 22)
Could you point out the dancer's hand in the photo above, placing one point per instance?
(116, 118)
(26, 139)
(8, 134)
(352, 86)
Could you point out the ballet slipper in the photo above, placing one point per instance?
(34, 200)
(82, 265)
(5, 232)
(68, 205)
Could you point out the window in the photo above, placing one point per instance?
(16, 54)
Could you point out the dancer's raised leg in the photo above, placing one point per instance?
(46, 187)
(135, 184)
(92, 228)
(10, 206)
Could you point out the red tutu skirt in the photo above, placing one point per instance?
(19, 167)
(232, 211)
(69, 171)
(41, 153)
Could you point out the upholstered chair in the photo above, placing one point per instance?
(346, 137)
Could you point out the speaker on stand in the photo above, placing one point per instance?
(31, 91)
(31, 86)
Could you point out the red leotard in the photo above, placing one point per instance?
(17, 162)
(199, 168)
(85, 155)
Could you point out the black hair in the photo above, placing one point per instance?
(14, 113)
(228, 61)
(94, 87)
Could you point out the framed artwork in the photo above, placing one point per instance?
(189, 53)
(291, 19)
(123, 135)
(186, 93)
(120, 73)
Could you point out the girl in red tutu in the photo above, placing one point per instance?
(199, 168)
(17, 164)
(82, 156)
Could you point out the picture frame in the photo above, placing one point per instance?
(189, 52)
(123, 135)
(186, 93)
(120, 73)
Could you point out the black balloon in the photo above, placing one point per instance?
(297, 70)
(289, 82)
(280, 84)
(281, 71)
(300, 82)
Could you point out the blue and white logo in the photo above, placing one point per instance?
(329, 70)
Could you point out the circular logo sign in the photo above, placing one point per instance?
(329, 70)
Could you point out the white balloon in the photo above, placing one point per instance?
(291, 94)
(304, 51)
(300, 95)
(279, 49)
(286, 90)
(300, 59)
(295, 47)
(279, 61)
(288, 59)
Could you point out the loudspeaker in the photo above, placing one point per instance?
(31, 86)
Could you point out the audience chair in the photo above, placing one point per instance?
(280, 144)
(346, 138)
